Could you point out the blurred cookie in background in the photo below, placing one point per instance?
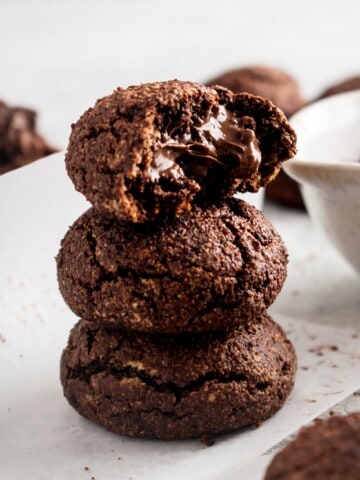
(285, 191)
(346, 85)
(276, 85)
(20, 143)
(284, 91)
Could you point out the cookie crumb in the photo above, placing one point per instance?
(207, 440)
(320, 348)
(2, 338)
(86, 469)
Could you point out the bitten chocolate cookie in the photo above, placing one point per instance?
(327, 450)
(154, 149)
(20, 144)
(210, 269)
(352, 83)
(171, 387)
(276, 85)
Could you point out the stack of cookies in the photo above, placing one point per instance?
(170, 275)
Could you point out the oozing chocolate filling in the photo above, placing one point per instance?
(223, 140)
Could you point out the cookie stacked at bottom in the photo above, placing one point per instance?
(172, 387)
(175, 341)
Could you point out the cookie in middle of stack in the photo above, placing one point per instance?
(209, 270)
(172, 279)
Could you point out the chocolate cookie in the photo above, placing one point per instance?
(171, 387)
(20, 144)
(327, 450)
(276, 85)
(352, 83)
(154, 149)
(210, 269)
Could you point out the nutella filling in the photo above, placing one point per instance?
(223, 140)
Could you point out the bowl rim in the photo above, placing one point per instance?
(333, 166)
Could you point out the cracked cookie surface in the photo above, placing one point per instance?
(326, 450)
(210, 269)
(155, 149)
(169, 387)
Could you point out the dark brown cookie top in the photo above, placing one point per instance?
(20, 143)
(173, 387)
(156, 148)
(327, 449)
(210, 269)
(276, 85)
(352, 83)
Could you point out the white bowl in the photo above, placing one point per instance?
(327, 166)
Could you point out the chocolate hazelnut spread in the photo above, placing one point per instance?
(223, 140)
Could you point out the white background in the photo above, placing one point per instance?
(60, 56)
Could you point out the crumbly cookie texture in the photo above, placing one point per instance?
(178, 387)
(156, 149)
(211, 269)
(327, 450)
